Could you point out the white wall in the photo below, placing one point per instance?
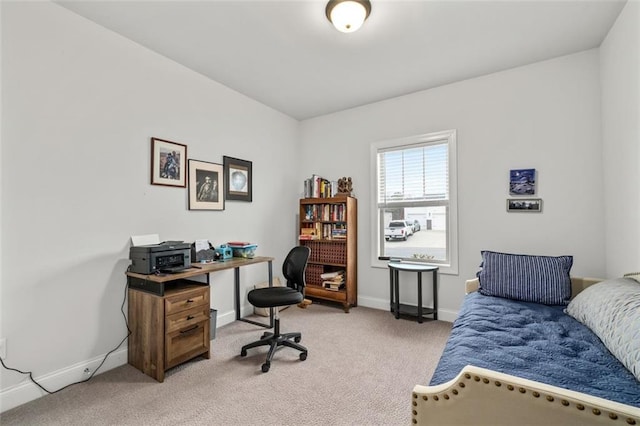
(1, 180)
(544, 116)
(620, 79)
(80, 105)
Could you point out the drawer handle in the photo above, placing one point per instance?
(189, 300)
(189, 330)
(190, 317)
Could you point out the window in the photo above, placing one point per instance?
(415, 182)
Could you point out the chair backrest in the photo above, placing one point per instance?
(294, 267)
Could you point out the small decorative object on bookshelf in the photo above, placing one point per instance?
(328, 226)
(345, 186)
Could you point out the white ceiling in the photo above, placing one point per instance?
(286, 54)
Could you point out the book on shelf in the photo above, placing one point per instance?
(331, 275)
(338, 233)
(333, 280)
(332, 286)
(325, 213)
(319, 187)
(308, 234)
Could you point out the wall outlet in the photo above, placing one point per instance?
(3, 348)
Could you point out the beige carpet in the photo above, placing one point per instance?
(361, 369)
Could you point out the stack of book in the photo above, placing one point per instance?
(309, 234)
(319, 187)
(324, 212)
(333, 281)
(338, 232)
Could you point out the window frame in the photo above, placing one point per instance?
(377, 230)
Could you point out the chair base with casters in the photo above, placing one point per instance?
(276, 341)
(293, 269)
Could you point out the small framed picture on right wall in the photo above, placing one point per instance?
(530, 205)
(522, 182)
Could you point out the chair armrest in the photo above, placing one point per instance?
(472, 285)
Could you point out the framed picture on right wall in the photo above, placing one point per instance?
(522, 182)
(529, 205)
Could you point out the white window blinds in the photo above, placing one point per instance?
(413, 174)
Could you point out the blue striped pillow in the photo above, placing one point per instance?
(539, 279)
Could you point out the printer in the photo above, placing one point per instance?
(169, 256)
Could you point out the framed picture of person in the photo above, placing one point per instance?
(206, 181)
(238, 178)
(168, 163)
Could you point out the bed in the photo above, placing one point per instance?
(513, 360)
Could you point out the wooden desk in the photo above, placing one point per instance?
(169, 314)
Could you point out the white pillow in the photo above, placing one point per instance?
(611, 309)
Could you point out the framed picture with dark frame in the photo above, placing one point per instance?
(522, 182)
(238, 178)
(529, 205)
(168, 163)
(205, 183)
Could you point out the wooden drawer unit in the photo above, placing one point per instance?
(168, 329)
(186, 319)
(184, 344)
(186, 300)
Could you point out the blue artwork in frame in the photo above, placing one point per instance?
(522, 182)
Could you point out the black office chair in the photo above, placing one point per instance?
(293, 269)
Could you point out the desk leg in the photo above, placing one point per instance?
(396, 284)
(270, 267)
(236, 281)
(237, 291)
(435, 294)
(420, 297)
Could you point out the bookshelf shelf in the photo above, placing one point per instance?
(328, 226)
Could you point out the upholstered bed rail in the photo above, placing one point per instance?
(479, 396)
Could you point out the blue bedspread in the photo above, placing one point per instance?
(536, 342)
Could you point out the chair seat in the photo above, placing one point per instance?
(274, 296)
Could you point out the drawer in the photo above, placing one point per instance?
(186, 343)
(185, 319)
(186, 300)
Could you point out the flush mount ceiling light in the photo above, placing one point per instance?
(348, 15)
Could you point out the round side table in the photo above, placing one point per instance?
(394, 290)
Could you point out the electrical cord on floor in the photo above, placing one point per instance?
(94, 371)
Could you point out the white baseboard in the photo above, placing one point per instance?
(230, 316)
(28, 391)
(227, 318)
(383, 304)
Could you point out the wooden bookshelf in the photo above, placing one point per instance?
(328, 226)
